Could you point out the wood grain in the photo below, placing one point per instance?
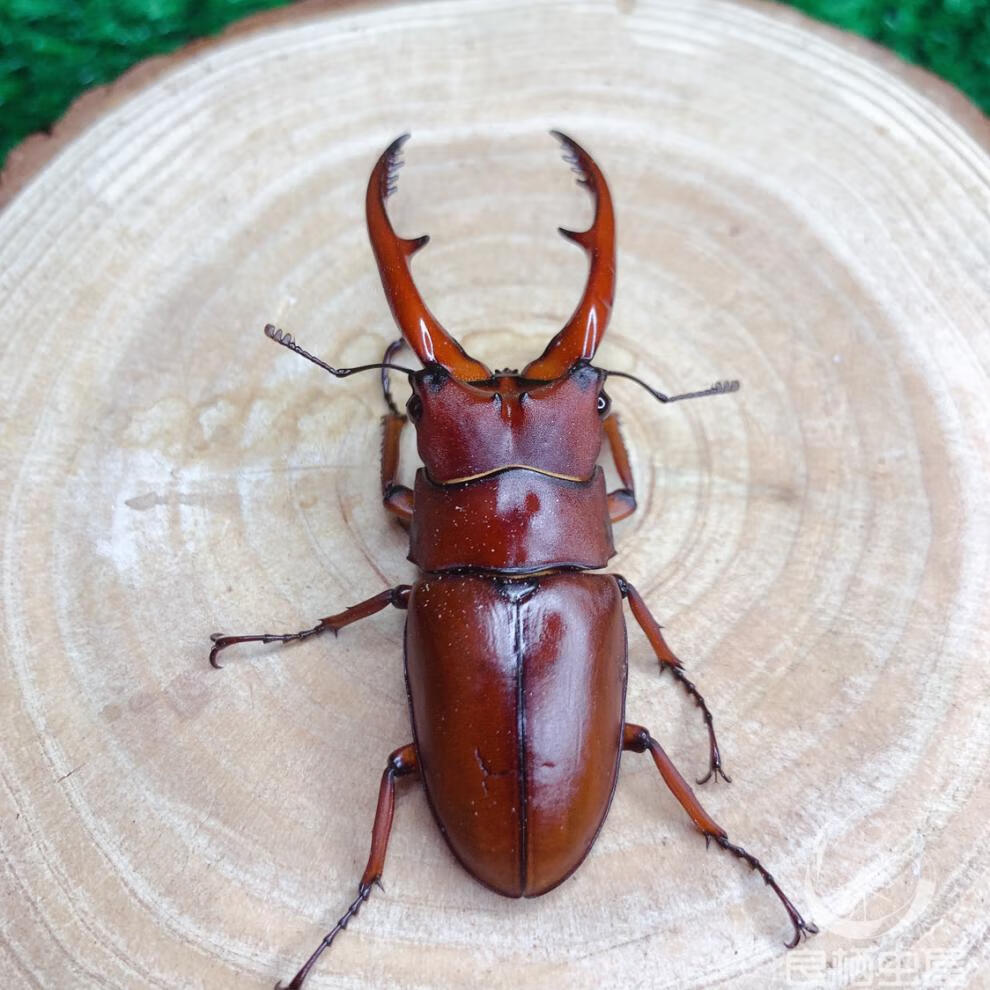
(795, 208)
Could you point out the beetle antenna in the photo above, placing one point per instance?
(719, 388)
(287, 340)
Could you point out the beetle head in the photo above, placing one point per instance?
(469, 429)
(469, 420)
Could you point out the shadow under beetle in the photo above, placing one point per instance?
(515, 654)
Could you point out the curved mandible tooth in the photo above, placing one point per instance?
(583, 238)
(421, 329)
(581, 335)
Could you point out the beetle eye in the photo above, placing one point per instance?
(603, 403)
(414, 407)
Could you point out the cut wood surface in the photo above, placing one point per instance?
(796, 209)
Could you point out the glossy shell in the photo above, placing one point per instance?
(517, 521)
(517, 693)
(464, 429)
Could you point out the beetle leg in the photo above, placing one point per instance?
(668, 661)
(401, 763)
(398, 498)
(390, 353)
(638, 739)
(621, 502)
(397, 596)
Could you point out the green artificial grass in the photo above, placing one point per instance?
(52, 50)
(949, 37)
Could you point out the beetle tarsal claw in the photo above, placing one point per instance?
(716, 772)
(805, 929)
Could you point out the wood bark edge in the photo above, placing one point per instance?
(34, 152)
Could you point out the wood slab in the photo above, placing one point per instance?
(796, 208)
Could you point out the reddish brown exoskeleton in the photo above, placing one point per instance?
(515, 653)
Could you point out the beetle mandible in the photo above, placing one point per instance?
(515, 653)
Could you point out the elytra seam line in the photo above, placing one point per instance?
(518, 647)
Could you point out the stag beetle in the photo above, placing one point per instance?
(515, 654)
